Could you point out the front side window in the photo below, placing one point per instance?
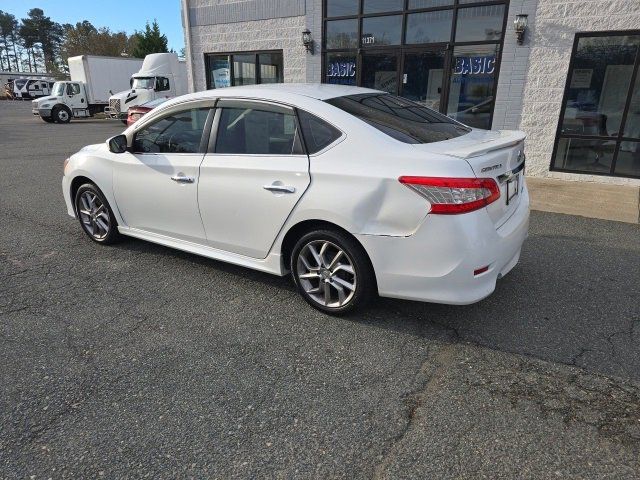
(600, 120)
(179, 132)
(162, 84)
(254, 131)
(73, 89)
(399, 118)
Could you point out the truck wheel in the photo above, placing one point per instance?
(48, 119)
(61, 114)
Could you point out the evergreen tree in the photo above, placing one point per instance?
(151, 40)
(8, 33)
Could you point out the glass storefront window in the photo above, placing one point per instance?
(429, 27)
(219, 71)
(380, 72)
(342, 8)
(632, 125)
(597, 103)
(379, 6)
(414, 4)
(480, 23)
(342, 33)
(591, 156)
(422, 78)
(405, 53)
(628, 160)
(341, 69)
(270, 68)
(377, 31)
(243, 69)
(598, 85)
(472, 85)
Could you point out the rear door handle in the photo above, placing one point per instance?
(280, 188)
(183, 179)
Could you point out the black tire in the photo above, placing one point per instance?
(61, 114)
(96, 219)
(364, 281)
(48, 119)
(124, 121)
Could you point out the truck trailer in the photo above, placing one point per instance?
(93, 81)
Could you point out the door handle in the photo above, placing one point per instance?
(280, 188)
(183, 179)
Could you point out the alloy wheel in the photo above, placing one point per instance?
(94, 215)
(326, 273)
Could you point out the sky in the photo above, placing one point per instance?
(118, 15)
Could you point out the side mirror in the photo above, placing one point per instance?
(118, 144)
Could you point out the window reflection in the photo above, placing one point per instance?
(598, 85)
(480, 23)
(472, 85)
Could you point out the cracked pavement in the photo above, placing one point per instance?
(141, 361)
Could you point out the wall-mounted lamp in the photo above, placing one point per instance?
(520, 26)
(307, 41)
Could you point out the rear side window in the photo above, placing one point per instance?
(253, 131)
(402, 119)
(317, 133)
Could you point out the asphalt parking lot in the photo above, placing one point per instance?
(140, 361)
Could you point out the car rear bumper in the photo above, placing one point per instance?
(437, 263)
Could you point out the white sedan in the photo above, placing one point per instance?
(353, 191)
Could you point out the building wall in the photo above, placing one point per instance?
(546, 54)
(247, 25)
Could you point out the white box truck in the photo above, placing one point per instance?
(162, 75)
(93, 80)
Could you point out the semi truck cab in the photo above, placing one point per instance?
(143, 90)
(161, 75)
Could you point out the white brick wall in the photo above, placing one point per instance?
(533, 76)
(273, 34)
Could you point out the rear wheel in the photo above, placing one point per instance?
(61, 114)
(95, 215)
(332, 272)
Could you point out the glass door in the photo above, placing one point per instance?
(422, 77)
(380, 71)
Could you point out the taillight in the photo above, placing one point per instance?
(449, 196)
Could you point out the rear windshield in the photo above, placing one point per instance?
(400, 118)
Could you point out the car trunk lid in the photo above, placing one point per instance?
(491, 154)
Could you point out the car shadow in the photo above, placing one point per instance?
(571, 299)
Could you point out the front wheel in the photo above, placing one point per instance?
(47, 119)
(61, 114)
(332, 272)
(95, 215)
